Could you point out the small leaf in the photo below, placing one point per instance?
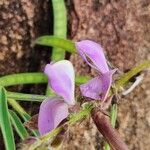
(23, 78)
(5, 122)
(54, 41)
(25, 116)
(21, 130)
(26, 97)
(113, 114)
(31, 78)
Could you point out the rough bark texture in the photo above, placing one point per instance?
(21, 21)
(123, 29)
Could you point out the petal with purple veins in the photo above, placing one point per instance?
(90, 50)
(98, 88)
(62, 79)
(106, 83)
(92, 89)
(52, 112)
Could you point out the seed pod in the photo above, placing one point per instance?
(104, 126)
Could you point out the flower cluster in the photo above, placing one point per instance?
(61, 78)
(93, 54)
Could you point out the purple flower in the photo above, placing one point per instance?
(54, 110)
(98, 87)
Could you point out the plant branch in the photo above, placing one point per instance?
(127, 76)
(26, 97)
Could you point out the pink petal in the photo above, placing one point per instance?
(62, 79)
(98, 88)
(52, 112)
(93, 51)
(92, 89)
(106, 83)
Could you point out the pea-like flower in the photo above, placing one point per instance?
(53, 111)
(98, 87)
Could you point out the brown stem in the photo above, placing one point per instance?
(103, 124)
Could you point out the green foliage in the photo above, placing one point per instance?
(26, 97)
(19, 127)
(5, 122)
(135, 70)
(81, 79)
(60, 27)
(32, 78)
(54, 41)
(25, 116)
(113, 114)
(23, 78)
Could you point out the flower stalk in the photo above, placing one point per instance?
(127, 76)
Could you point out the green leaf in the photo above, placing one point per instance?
(59, 28)
(123, 79)
(57, 42)
(5, 124)
(113, 114)
(19, 127)
(25, 116)
(23, 78)
(26, 97)
(32, 78)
